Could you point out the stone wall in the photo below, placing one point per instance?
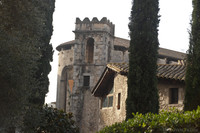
(110, 115)
(118, 56)
(82, 104)
(90, 113)
(95, 25)
(66, 59)
(163, 88)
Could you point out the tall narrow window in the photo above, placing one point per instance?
(86, 81)
(107, 101)
(109, 52)
(119, 101)
(173, 96)
(90, 50)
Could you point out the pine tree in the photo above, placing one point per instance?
(192, 79)
(142, 80)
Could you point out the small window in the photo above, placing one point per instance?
(173, 96)
(105, 102)
(86, 81)
(109, 52)
(108, 100)
(119, 101)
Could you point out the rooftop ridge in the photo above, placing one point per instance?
(86, 20)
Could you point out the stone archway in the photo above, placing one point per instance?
(64, 90)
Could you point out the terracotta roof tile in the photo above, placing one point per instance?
(167, 71)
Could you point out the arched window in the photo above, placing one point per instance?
(109, 52)
(90, 50)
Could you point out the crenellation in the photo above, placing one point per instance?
(95, 20)
(95, 25)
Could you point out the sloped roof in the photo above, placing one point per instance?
(164, 71)
(168, 71)
(121, 42)
(171, 54)
(124, 45)
(65, 44)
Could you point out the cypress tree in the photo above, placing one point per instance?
(44, 13)
(142, 81)
(18, 59)
(25, 55)
(192, 80)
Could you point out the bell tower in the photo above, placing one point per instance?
(81, 63)
(95, 38)
(94, 41)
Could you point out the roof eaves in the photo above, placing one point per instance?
(99, 81)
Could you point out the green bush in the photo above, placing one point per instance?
(165, 122)
(57, 121)
(50, 120)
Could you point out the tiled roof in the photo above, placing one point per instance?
(121, 42)
(162, 52)
(167, 71)
(124, 44)
(171, 53)
(65, 44)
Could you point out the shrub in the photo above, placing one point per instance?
(50, 120)
(57, 121)
(173, 121)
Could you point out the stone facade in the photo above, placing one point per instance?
(164, 87)
(83, 60)
(117, 112)
(81, 64)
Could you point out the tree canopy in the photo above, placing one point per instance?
(192, 79)
(25, 55)
(142, 80)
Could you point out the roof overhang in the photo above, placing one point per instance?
(101, 88)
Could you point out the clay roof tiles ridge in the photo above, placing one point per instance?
(167, 71)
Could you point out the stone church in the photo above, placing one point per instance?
(83, 67)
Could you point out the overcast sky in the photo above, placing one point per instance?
(173, 27)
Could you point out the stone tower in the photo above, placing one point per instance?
(81, 63)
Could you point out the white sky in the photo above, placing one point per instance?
(173, 27)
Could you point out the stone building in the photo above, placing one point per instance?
(111, 89)
(82, 62)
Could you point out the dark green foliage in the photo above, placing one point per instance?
(165, 122)
(192, 80)
(142, 81)
(25, 55)
(18, 59)
(43, 13)
(51, 120)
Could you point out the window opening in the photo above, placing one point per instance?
(119, 101)
(107, 101)
(173, 96)
(109, 51)
(86, 81)
(90, 50)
